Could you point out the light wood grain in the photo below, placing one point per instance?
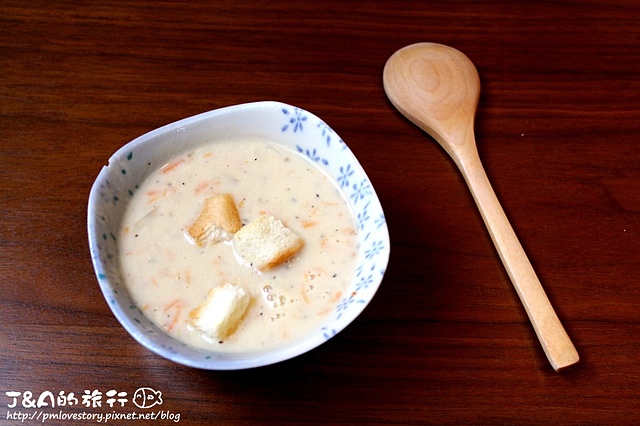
(437, 88)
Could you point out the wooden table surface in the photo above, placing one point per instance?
(445, 340)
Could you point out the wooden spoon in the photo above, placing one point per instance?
(437, 88)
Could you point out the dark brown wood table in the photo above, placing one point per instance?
(446, 340)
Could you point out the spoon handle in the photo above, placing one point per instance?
(552, 335)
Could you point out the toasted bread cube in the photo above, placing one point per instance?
(265, 242)
(217, 222)
(221, 313)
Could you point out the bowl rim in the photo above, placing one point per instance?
(218, 361)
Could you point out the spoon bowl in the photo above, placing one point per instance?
(437, 88)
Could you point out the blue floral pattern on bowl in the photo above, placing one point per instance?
(280, 123)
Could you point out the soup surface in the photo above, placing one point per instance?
(168, 275)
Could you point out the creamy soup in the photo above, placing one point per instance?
(168, 275)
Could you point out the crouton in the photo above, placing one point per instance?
(265, 242)
(217, 222)
(222, 311)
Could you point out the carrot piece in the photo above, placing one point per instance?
(202, 186)
(324, 243)
(153, 195)
(171, 166)
(176, 306)
(305, 296)
(324, 311)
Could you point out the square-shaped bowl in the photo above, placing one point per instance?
(278, 123)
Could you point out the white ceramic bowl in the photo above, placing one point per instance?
(283, 124)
